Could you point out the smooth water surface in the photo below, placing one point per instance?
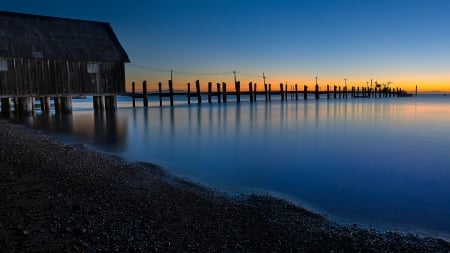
(381, 162)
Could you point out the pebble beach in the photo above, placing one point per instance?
(59, 197)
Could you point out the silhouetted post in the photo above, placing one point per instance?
(281, 92)
(316, 92)
(335, 92)
(265, 92)
(328, 91)
(353, 92)
(209, 92)
(218, 93)
(199, 96)
(57, 104)
(224, 88)
(171, 92)
(254, 92)
(270, 92)
(238, 90)
(416, 90)
(144, 93)
(250, 91)
(160, 93)
(133, 92)
(296, 92)
(189, 93)
(305, 92)
(340, 94)
(285, 92)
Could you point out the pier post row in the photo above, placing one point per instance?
(59, 58)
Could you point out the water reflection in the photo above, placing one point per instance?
(103, 129)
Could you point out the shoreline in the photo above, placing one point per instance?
(63, 197)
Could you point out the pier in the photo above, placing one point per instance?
(221, 93)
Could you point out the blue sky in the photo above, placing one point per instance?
(403, 41)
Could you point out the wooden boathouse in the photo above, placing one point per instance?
(45, 57)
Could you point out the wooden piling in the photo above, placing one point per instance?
(296, 92)
(171, 92)
(25, 105)
(305, 92)
(133, 92)
(57, 104)
(209, 92)
(160, 93)
(238, 91)
(199, 95)
(316, 92)
(270, 92)
(189, 93)
(250, 91)
(66, 104)
(144, 93)
(285, 92)
(281, 92)
(265, 92)
(254, 92)
(340, 94)
(224, 89)
(218, 93)
(335, 92)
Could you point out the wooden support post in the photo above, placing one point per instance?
(171, 92)
(6, 106)
(199, 95)
(316, 92)
(296, 92)
(160, 93)
(270, 92)
(111, 103)
(340, 94)
(66, 104)
(305, 92)
(281, 92)
(189, 93)
(254, 92)
(133, 93)
(238, 91)
(335, 92)
(25, 105)
(16, 104)
(57, 104)
(144, 93)
(250, 91)
(265, 92)
(285, 92)
(209, 92)
(224, 89)
(95, 103)
(42, 105)
(328, 91)
(218, 93)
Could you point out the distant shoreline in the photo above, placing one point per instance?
(59, 197)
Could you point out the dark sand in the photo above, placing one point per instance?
(57, 197)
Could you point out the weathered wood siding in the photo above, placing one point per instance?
(42, 77)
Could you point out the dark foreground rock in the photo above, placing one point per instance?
(64, 198)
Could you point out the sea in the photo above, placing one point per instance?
(381, 163)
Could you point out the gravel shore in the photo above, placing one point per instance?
(56, 197)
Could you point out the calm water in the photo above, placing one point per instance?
(380, 162)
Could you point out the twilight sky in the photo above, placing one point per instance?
(406, 42)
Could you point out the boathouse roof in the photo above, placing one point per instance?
(43, 37)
